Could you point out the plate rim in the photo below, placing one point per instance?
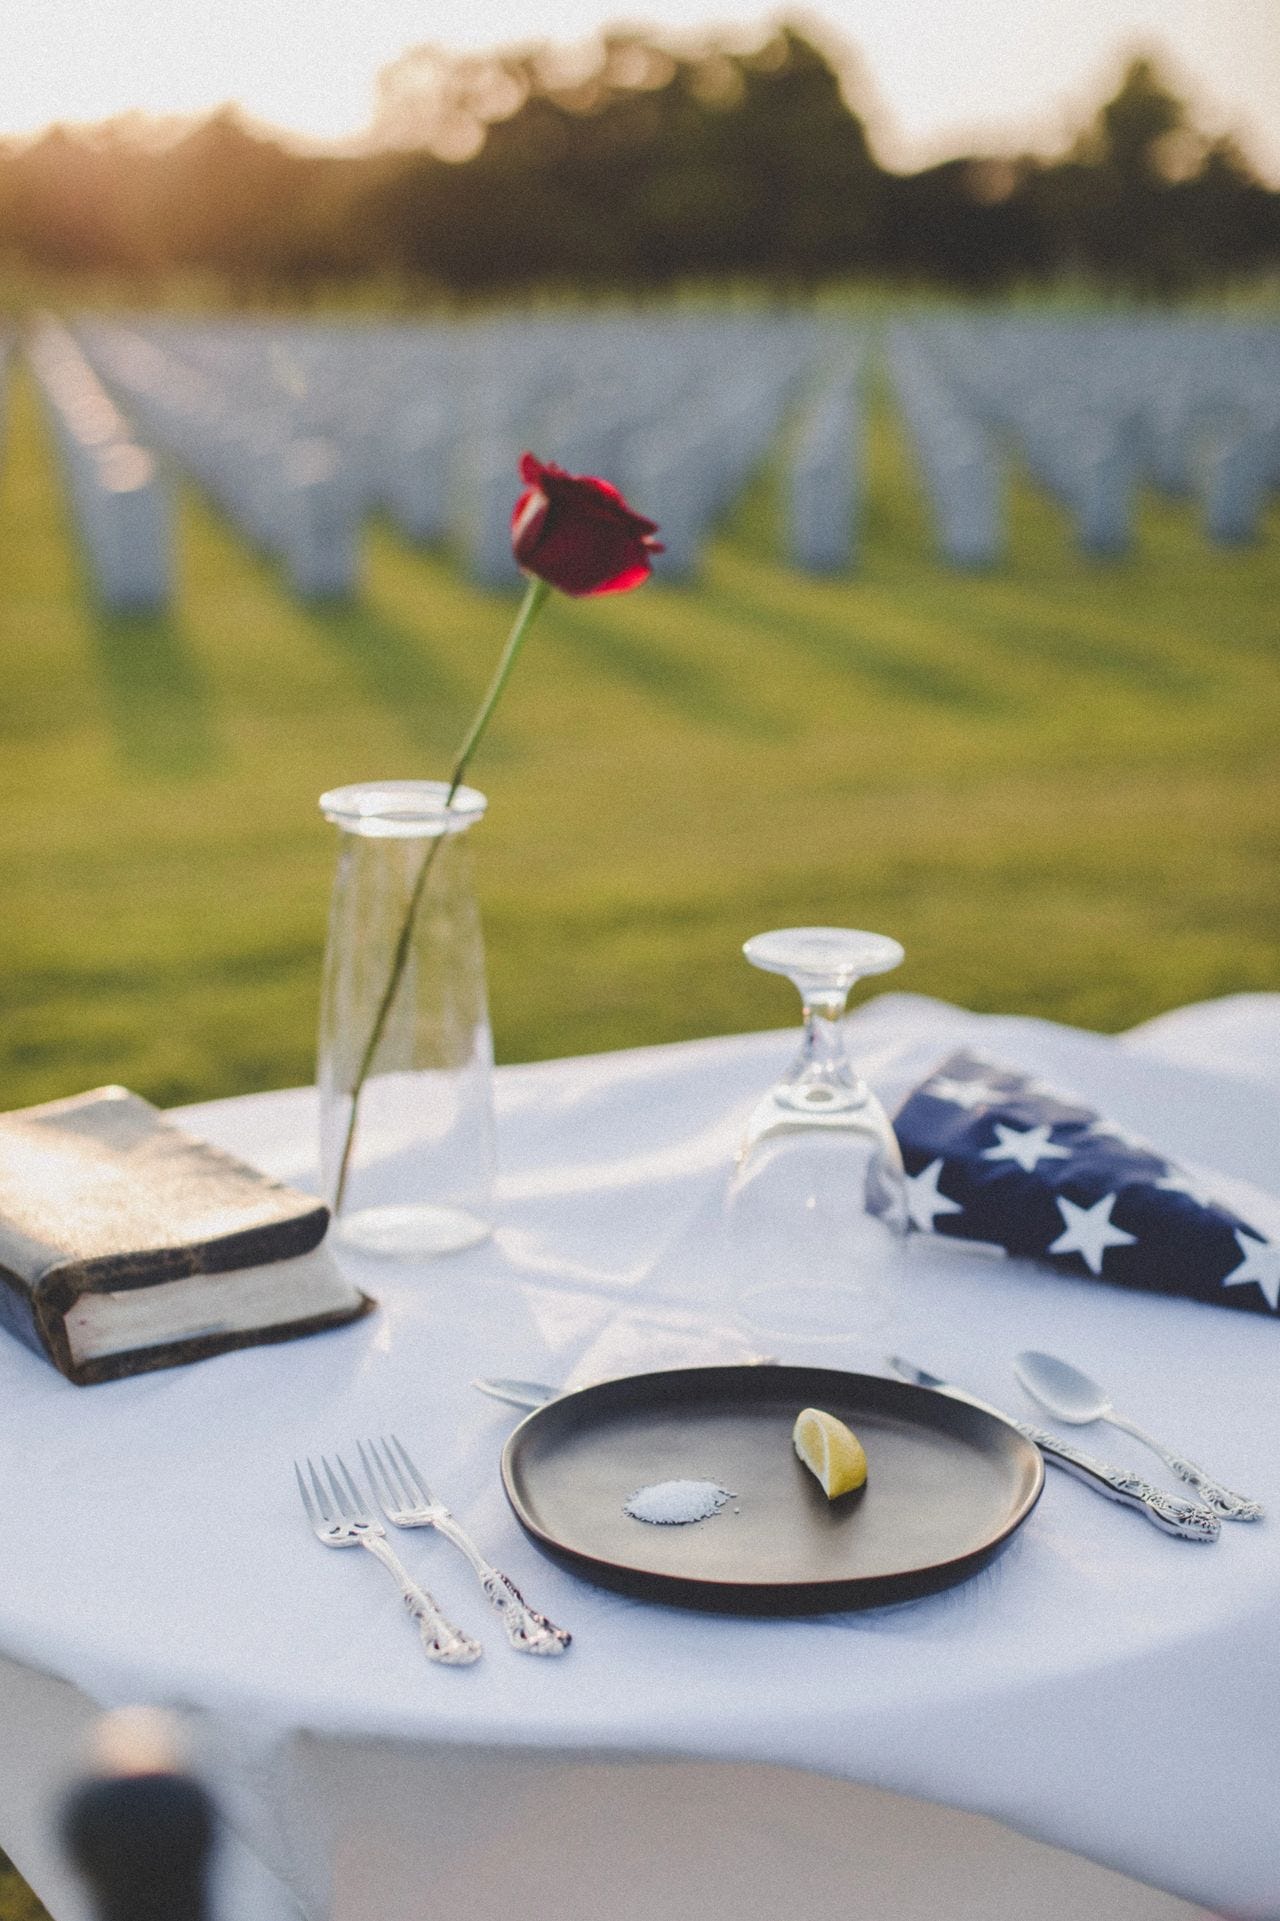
(822, 1595)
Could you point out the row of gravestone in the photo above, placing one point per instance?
(298, 434)
(299, 431)
(1095, 410)
(121, 507)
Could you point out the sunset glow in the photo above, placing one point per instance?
(976, 74)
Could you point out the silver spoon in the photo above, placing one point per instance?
(1070, 1396)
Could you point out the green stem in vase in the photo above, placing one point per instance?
(535, 594)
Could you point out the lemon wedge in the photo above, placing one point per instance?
(830, 1450)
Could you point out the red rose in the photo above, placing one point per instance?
(578, 533)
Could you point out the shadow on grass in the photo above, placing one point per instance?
(839, 643)
(1024, 628)
(696, 691)
(159, 700)
(394, 667)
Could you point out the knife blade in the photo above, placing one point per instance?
(530, 1394)
(524, 1394)
(1169, 1512)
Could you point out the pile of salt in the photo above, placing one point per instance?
(675, 1503)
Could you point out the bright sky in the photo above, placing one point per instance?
(940, 76)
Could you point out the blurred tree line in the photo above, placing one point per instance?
(489, 175)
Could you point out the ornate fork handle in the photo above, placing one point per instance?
(441, 1640)
(528, 1631)
(1186, 1519)
(1232, 1507)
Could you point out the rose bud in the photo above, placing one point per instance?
(578, 533)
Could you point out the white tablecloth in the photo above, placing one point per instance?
(1100, 1686)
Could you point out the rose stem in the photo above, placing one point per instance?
(535, 594)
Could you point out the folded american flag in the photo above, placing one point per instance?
(995, 1155)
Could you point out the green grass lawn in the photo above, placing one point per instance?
(17, 1903)
(1058, 784)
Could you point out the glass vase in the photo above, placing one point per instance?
(405, 1058)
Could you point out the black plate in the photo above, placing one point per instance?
(947, 1485)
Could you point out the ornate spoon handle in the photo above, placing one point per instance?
(528, 1631)
(441, 1640)
(1166, 1511)
(1232, 1507)
(1188, 1520)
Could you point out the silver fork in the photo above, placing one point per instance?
(339, 1518)
(407, 1501)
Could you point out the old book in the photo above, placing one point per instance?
(126, 1244)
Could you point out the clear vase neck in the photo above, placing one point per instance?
(402, 809)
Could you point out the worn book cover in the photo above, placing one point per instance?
(127, 1244)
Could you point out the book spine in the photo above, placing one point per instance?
(145, 1360)
(19, 1316)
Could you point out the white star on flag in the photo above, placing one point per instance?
(924, 1203)
(1089, 1231)
(1261, 1263)
(1025, 1145)
(963, 1093)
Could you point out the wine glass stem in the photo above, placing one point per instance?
(822, 1063)
(823, 1039)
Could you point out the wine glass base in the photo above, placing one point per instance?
(411, 1231)
(833, 954)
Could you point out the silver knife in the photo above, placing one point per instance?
(1166, 1511)
(519, 1393)
(529, 1394)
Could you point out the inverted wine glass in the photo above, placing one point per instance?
(816, 1211)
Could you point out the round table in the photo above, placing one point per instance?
(1098, 1703)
